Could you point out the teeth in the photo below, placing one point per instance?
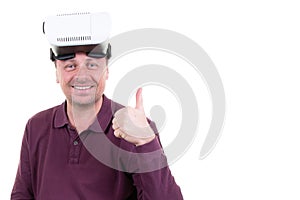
(82, 87)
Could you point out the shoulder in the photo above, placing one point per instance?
(111, 104)
(44, 117)
(40, 125)
(45, 113)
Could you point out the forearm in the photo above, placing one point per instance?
(154, 179)
(158, 185)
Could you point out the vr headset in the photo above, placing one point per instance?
(78, 32)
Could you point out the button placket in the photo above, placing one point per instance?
(74, 146)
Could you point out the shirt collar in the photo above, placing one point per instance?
(104, 116)
(60, 117)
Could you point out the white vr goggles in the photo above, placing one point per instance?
(78, 32)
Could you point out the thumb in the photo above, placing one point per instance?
(139, 100)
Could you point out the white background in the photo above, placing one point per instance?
(255, 46)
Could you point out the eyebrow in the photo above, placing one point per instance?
(68, 60)
(74, 60)
(90, 59)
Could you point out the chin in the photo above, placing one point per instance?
(84, 101)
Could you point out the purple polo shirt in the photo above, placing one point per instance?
(57, 163)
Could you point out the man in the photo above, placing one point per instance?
(89, 147)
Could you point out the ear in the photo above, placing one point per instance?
(57, 76)
(56, 72)
(107, 73)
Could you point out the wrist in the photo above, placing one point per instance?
(145, 140)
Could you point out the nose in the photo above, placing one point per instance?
(82, 74)
(85, 72)
(82, 71)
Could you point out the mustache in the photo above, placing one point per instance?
(83, 82)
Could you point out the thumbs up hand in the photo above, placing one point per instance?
(131, 123)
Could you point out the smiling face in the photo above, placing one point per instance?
(82, 79)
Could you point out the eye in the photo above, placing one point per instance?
(70, 67)
(92, 65)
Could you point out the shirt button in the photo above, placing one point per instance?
(75, 142)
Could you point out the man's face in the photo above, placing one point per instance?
(82, 78)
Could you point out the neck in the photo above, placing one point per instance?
(82, 116)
